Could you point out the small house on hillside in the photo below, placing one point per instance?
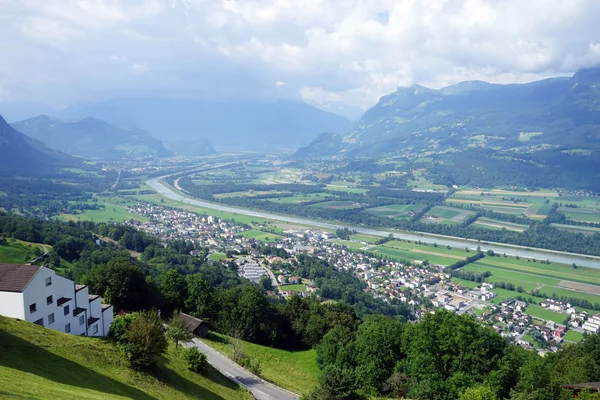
(196, 326)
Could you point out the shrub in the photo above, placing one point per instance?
(144, 340)
(196, 360)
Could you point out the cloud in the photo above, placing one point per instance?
(340, 55)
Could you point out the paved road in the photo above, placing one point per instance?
(260, 389)
(512, 250)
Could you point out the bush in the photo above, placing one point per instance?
(196, 360)
(144, 340)
(119, 327)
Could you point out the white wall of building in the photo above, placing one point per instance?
(11, 305)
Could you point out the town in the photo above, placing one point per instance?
(421, 286)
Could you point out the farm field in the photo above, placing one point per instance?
(249, 193)
(303, 198)
(573, 336)
(342, 187)
(365, 238)
(108, 214)
(217, 256)
(293, 370)
(512, 193)
(260, 235)
(337, 205)
(581, 214)
(395, 210)
(349, 244)
(586, 230)
(412, 251)
(446, 215)
(496, 224)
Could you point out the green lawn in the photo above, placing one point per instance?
(343, 188)
(547, 315)
(412, 251)
(573, 336)
(293, 370)
(395, 210)
(365, 238)
(337, 205)
(111, 212)
(303, 198)
(262, 236)
(217, 256)
(38, 363)
(15, 253)
(581, 214)
(295, 288)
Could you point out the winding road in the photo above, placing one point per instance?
(261, 390)
(512, 250)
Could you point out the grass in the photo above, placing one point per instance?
(496, 224)
(15, 252)
(217, 256)
(337, 205)
(38, 363)
(303, 198)
(547, 315)
(338, 187)
(581, 214)
(293, 370)
(395, 210)
(295, 288)
(412, 251)
(573, 336)
(111, 212)
(365, 238)
(260, 235)
(526, 136)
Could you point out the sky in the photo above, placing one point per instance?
(340, 55)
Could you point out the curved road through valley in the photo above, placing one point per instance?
(513, 250)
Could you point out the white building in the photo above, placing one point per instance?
(36, 294)
(592, 325)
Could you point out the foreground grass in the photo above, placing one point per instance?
(18, 252)
(293, 370)
(38, 363)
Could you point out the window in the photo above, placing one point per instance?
(81, 320)
(49, 281)
(49, 300)
(68, 328)
(95, 328)
(51, 319)
(32, 308)
(67, 309)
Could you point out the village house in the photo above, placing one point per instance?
(36, 294)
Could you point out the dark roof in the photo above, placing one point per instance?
(77, 311)
(191, 323)
(105, 307)
(91, 320)
(588, 385)
(62, 301)
(92, 297)
(79, 287)
(15, 277)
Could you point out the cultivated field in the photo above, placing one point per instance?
(303, 198)
(262, 236)
(396, 210)
(412, 251)
(337, 205)
(446, 215)
(495, 224)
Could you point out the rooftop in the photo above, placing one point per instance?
(15, 277)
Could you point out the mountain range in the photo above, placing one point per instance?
(228, 125)
(20, 153)
(557, 113)
(92, 138)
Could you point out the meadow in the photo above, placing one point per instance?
(412, 251)
(395, 210)
(14, 251)
(260, 235)
(303, 198)
(337, 205)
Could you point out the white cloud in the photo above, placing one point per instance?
(341, 55)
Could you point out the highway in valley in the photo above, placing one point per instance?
(541, 254)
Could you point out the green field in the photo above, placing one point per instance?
(365, 238)
(294, 288)
(15, 251)
(411, 251)
(547, 315)
(217, 256)
(395, 210)
(490, 223)
(38, 363)
(573, 336)
(303, 198)
(340, 187)
(446, 215)
(586, 230)
(337, 205)
(581, 214)
(249, 193)
(262, 236)
(293, 370)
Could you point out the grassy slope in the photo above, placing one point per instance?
(38, 363)
(293, 370)
(14, 251)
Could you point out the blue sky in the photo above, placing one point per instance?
(341, 55)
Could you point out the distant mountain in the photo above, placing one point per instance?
(20, 153)
(559, 113)
(191, 147)
(92, 138)
(228, 125)
(326, 144)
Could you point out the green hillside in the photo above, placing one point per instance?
(37, 363)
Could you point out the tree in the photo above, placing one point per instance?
(144, 340)
(107, 298)
(196, 360)
(173, 290)
(477, 393)
(177, 331)
(266, 283)
(201, 297)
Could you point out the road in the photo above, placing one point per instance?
(512, 250)
(261, 389)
